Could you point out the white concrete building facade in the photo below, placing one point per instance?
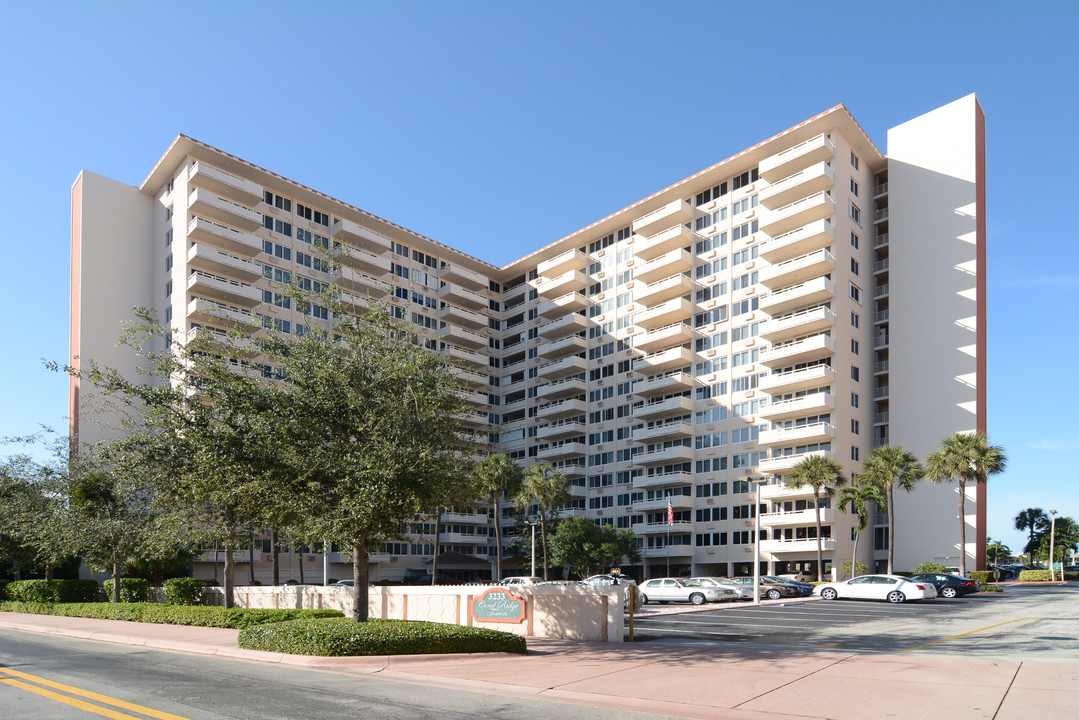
(807, 295)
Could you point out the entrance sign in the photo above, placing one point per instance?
(498, 605)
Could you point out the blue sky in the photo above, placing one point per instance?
(500, 127)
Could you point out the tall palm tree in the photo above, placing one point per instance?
(888, 467)
(822, 475)
(1065, 534)
(1034, 520)
(966, 457)
(857, 498)
(547, 488)
(498, 476)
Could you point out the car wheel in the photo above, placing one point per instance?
(696, 598)
(829, 594)
(774, 594)
(896, 597)
(644, 599)
(948, 592)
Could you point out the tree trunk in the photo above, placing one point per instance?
(116, 578)
(48, 569)
(891, 528)
(300, 553)
(360, 591)
(251, 560)
(543, 535)
(498, 542)
(275, 560)
(963, 527)
(230, 569)
(854, 558)
(820, 551)
(434, 557)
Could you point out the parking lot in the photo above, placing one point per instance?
(1023, 620)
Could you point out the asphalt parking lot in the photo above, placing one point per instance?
(1022, 620)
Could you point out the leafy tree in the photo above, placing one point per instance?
(822, 475)
(857, 498)
(1065, 533)
(1035, 521)
(589, 548)
(931, 567)
(967, 457)
(548, 490)
(853, 568)
(498, 476)
(33, 521)
(889, 467)
(997, 550)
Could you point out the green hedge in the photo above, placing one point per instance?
(334, 638)
(55, 591)
(992, 588)
(184, 591)
(982, 576)
(202, 616)
(1043, 575)
(132, 590)
(3, 590)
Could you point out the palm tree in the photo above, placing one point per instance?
(1034, 520)
(498, 476)
(547, 488)
(1065, 539)
(888, 467)
(996, 548)
(966, 457)
(857, 498)
(822, 475)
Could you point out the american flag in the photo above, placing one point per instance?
(670, 513)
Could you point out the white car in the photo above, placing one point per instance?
(893, 588)
(742, 592)
(521, 580)
(665, 590)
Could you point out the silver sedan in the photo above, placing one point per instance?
(665, 590)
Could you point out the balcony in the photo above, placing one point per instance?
(463, 276)
(665, 337)
(803, 435)
(679, 405)
(783, 464)
(223, 341)
(657, 528)
(667, 264)
(798, 213)
(357, 281)
(473, 379)
(795, 380)
(673, 454)
(473, 419)
(355, 234)
(797, 270)
(678, 502)
(569, 345)
(665, 313)
(571, 469)
(663, 480)
(815, 178)
(226, 238)
(205, 204)
(662, 290)
(673, 238)
(664, 360)
(796, 324)
(234, 318)
(561, 389)
(880, 215)
(880, 240)
(224, 184)
(573, 302)
(665, 384)
(880, 290)
(571, 407)
(780, 547)
(777, 491)
(798, 517)
(564, 450)
(880, 393)
(224, 290)
(357, 304)
(361, 259)
(664, 431)
(560, 264)
(458, 295)
(814, 236)
(812, 348)
(561, 429)
(673, 213)
(212, 260)
(565, 325)
(466, 358)
(784, 164)
(460, 316)
(811, 292)
(814, 404)
(461, 337)
(673, 551)
(569, 281)
(467, 518)
(563, 368)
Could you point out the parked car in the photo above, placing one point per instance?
(948, 586)
(440, 579)
(345, 583)
(521, 580)
(771, 589)
(892, 588)
(665, 590)
(609, 580)
(804, 588)
(744, 591)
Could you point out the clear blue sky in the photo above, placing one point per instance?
(499, 127)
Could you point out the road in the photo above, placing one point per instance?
(122, 682)
(1025, 623)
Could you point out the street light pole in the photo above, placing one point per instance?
(533, 524)
(757, 545)
(1052, 537)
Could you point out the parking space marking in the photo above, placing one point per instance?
(972, 632)
(715, 634)
(725, 624)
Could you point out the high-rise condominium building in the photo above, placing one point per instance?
(808, 295)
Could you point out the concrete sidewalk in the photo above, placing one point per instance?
(735, 683)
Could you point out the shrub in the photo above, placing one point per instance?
(184, 591)
(930, 567)
(992, 588)
(131, 590)
(982, 576)
(201, 615)
(1043, 576)
(3, 590)
(55, 591)
(335, 638)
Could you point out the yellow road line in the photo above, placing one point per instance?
(953, 637)
(83, 693)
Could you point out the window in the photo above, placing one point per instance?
(854, 452)
(168, 213)
(277, 201)
(855, 373)
(399, 249)
(168, 289)
(854, 399)
(854, 346)
(854, 427)
(854, 187)
(854, 240)
(854, 266)
(278, 226)
(854, 319)
(168, 263)
(856, 293)
(856, 213)
(168, 238)
(853, 160)
(313, 215)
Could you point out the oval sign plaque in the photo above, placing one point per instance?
(498, 605)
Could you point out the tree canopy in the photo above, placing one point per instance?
(589, 548)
